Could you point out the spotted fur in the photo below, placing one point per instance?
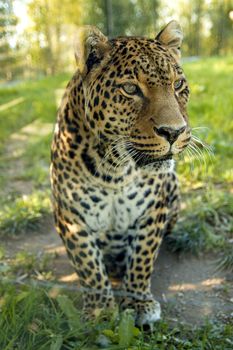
(115, 191)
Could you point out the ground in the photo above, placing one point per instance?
(193, 275)
(190, 289)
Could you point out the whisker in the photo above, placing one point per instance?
(204, 147)
(122, 158)
(195, 153)
(200, 128)
(189, 154)
(203, 144)
(113, 145)
(199, 151)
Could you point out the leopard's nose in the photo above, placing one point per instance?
(170, 134)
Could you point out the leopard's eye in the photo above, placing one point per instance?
(130, 88)
(178, 84)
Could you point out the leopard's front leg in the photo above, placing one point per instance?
(140, 263)
(87, 260)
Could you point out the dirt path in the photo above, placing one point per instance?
(189, 288)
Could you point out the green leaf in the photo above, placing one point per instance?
(2, 253)
(70, 311)
(126, 329)
(22, 296)
(109, 333)
(136, 332)
(57, 343)
(4, 268)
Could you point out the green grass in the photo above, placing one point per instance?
(38, 107)
(206, 183)
(43, 318)
(206, 223)
(211, 106)
(39, 102)
(40, 319)
(41, 314)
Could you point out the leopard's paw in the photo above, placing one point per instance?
(147, 312)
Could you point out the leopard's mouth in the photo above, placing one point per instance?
(147, 160)
(143, 158)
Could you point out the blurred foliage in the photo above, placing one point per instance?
(8, 56)
(54, 24)
(46, 45)
(221, 16)
(208, 26)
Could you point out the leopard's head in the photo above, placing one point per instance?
(136, 93)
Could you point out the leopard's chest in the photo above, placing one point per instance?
(119, 210)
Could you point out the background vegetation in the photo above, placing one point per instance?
(36, 61)
(36, 35)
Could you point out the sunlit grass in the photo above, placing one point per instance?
(27, 265)
(211, 106)
(206, 222)
(23, 213)
(39, 103)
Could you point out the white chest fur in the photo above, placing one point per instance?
(107, 209)
(119, 209)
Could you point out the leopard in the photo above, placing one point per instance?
(121, 125)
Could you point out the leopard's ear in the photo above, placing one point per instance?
(90, 46)
(171, 36)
